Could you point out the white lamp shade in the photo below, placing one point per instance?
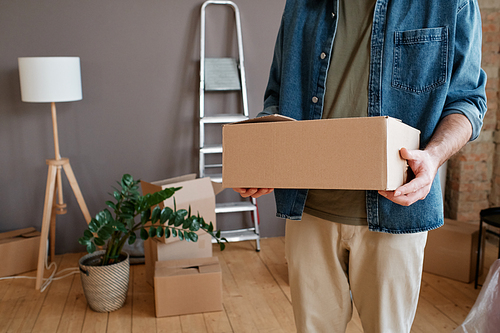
(50, 79)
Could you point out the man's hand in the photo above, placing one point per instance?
(425, 167)
(451, 135)
(253, 192)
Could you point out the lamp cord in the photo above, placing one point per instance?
(54, 276)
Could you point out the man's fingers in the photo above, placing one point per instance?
(412, 187)
(405, 199)
(253, 192)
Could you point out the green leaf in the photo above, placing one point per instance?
(159, 232)
(222, 246)
(99, 241)
(195, 225)
(83, 241)
(93, 225)
(217, 234)
(167, 232)
(144, 234)
(152, 231)
(187, 223)
(91, 248)
(174, 233)
(166, 213)
(126, 216)
(111, 205)
(181, 235)
(168, 192)
(145, 215)
(156, 214)
(117, 195)
(103, 234)
(193, 236)
(127, 180)
(179, 217)
(132, 238)
(119, 226)
(87, 234)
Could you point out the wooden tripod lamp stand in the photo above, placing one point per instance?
(51, 80)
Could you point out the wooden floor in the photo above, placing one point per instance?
(256, 298)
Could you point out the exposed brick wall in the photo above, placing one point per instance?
(473, 178)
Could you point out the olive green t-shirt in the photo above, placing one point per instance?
(346, 96)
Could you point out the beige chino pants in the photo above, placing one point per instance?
(327, 262)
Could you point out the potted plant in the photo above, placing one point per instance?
(105, 273)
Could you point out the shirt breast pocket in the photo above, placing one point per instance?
(420, 59)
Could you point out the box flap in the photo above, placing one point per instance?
(187, 266)
(187, 262)
(25, 233)
(173, 180)
(270, 118)
(217, 187)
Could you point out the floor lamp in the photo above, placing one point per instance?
(51, 80)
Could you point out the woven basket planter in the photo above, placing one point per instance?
(105, 287)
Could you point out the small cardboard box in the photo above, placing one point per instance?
(155, 250)
(199, 193)
(349, 153)
(451, 251)
(188, 286)
(19, 249)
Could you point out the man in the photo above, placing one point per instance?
(418, 61)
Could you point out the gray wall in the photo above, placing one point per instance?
(138, 115)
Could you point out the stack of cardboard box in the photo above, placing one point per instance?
(186, 277)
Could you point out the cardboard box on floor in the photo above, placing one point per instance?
(188, 286)
(155, 250)
(350, 153)
(451, 251)
(199, 193)
(19, 250)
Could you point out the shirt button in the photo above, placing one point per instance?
(315, 99)
(323, 55)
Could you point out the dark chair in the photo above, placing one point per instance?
(490, 216)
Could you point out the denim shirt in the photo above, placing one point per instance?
(424, 65)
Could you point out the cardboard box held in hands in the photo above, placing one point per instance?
(19, 249)
(348, 153)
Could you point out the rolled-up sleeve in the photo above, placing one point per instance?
(466, 94)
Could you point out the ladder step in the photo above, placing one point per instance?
(238, 235)
(223, 119)
(221, 74)
(211, 149)
(234, 207)
(213, 165)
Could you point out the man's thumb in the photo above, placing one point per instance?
(405, 154)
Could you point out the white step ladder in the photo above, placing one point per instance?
(219, 75)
